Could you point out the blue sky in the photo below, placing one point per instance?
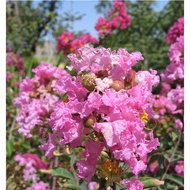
(87, 7)
(91, 16)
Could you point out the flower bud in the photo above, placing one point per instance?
(129, 76)
(48, 86)
(33, 95)
(129, 79)
(102, 74)
(117, 85)
(89, 122)
(88, 81)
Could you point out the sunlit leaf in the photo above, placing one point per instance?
(175, 178)
(60, 172)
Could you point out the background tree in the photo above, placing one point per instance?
(147, 32)
(27, 25)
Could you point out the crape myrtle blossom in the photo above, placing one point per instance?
(105, 107)
(39, 186)
(64, 40)
(8, 77)
(14, 65)
(123, 108)
(175, 70)
(8, 48)
(133, 184)
(15, 60)
(169, 105)
(35, 99)
(163, 104)
(176, 95)
(171, 98)
(30, 162)
(117, 18)
(29, 171)
(176, 167)
(93, 185)
(67, 43)
(179, 167)
(154, 166)
(81, 40)
(176, 30)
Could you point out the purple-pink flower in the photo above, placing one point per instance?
(176, 30)
(179, 167)
(92, 185)
(105, 107)
(67, 43)
(117, 18)
(8, 77)
(133, 184)
(39, 186)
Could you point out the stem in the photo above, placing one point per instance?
(118, 185)
(17, 11)
(56, 162)
(73, 170)
(172, 155)
(11, 129)
(114, 186)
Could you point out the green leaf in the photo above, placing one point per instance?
(60, 172)
(11, 185)
(83, 185)
(72, 186)
(9, 148)
(150, 182)
(175, 178)
(9, 180)
(26, 145)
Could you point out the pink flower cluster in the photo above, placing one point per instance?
(154, 166)
(31, 162)
(14, 63)
(176, 30)
(171, 98)
(170, 103)
(8, 49)
(133, 184)
(67, 43)
(105, 107)
(117, 18)
(35, 100)
(175, 70)
(14, 60)
(39, 186)
(179, 167)
(8, 77)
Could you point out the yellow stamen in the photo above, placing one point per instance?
(110, 171)
(104, 27)
(66, 38)
(71, 50)
(144, 116)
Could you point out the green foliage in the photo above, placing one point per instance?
(150, 182)
(60, 172)
(146, 33)
(103, 7)
(26, 25)
(9, 148)
(175, 178)
(65, 22)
